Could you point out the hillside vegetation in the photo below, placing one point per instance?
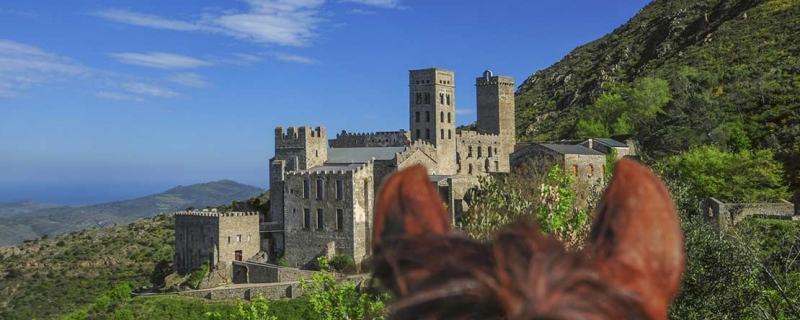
(680, 74)
(59, 220)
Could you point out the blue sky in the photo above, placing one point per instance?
(103, 100)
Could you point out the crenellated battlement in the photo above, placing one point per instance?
(489, 78)
(302, 132)
(214, 214)
(477, 135)
(427, 147)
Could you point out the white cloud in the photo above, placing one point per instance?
(22, 65)
(282, 56)
(249, 57)
(363, 12)
(281, 22)
(151, 90)
(189, 80)
(391, 4)
(117, 96)
(160, 60)
(465, 111)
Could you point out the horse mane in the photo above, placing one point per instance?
(630, 269)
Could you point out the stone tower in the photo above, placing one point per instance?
(432, 105)
(495, 98)
(298, 148)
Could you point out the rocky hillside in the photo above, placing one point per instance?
(48, 277)
(59, 220)
(727, 65)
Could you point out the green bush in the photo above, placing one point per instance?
(282, 262)
(196, 276)
(342, 262)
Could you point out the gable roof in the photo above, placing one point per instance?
(572, 149)
(361, 155)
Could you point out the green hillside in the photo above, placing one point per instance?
(59, 220)
(680, 74)
(10, 209)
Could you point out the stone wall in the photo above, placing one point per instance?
(273, 291)
(419, 152)
(496, 107)
(253, 272)
(196, 240)
(306, 242)
(727, 213)
(377, 139)
(482, 153)
(432, 105)
(238, 232)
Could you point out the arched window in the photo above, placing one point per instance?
(449, 134)
(417, 116)
(441, 116)
(441, 98)
(418, 136)
(442, 130)
(427, 116)
(419, 98)
(448, 99)
(448, 117)
(574, 170)
(590, 170)
(427, 134)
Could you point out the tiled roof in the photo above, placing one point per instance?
(571, 149)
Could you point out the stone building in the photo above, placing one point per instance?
(728, 214)
(323, 191)
(218, 238)
(586, 165)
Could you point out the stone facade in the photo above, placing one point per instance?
(586, 165)
(220, 238)
(398, 138)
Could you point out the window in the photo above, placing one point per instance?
(449, 134)
(480, 152)
(469, 154)
(574, 170)
(320, 219)
(590, 170)
(489, 150)
(418, 135)
(320, 189)
(339, 191)
(417, 116)
(448, 99)
(249, 238)
(306, 218)
(427, 97)
(442, 133)
(238, 238)
(470, 168)
(427, 133)
(229, 239)
(427, 116)
(441, 98)
(305, 188)
(419, 97)
(448, 117)
(441, 116)
(496, 166)
(339, 219)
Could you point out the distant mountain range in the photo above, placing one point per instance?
(25, 220)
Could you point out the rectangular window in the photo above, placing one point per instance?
(320, 189)
(229, 239)
(238, 238)
(306, 218)
(248, 238)
(320, 219)
(339, 219)
(339, 191)
(305, 189)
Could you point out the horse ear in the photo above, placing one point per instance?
(636, 240)
(408, 206)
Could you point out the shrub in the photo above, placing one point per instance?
(196, 276)
(282, 262)
(341, 262)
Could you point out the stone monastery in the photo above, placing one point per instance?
(322, 189)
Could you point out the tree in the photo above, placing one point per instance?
(330, 300)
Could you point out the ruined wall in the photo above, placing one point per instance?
(377, 139)
(458, 187)
(731, 213)
(482, 153)
(305, 242)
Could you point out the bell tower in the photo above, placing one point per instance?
(432, 117)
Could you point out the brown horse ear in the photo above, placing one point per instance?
(636, 240)
(409, 205)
